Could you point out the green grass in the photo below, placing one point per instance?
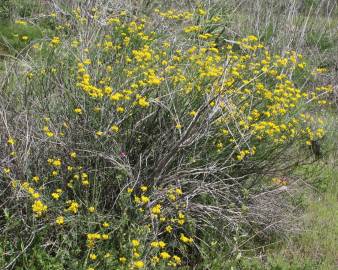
(19, 8)
(319, 241)
(11, 36)
(316, 245)
(314, 248)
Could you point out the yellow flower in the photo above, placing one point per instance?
(165, 255)
(14, 183)
(73, 207)
(49, 134)
(92, 256)
(156, 209)
(172, 197)
(143, 102)
(107, 255)
(25, 185)
(137, 199)
(193, 28)
(136, 254)
(301, 65)
(105, 236)
(114, 128)
(129, 190)
(117, 96)
(55, 41)
(36, 195)
(72, 155)
(75, 43)
(193, 113)
(177, 259)
(201, 12)
(181, 222)
(55, 195)
(78, 110)
(39, 208)
(185, 239)
(36, 179)
(21, 22)
(155, 259)
(169, 229)
(105, 225)
(87, 62)
(135, 242)
(30, 190)
(144, 199)
(56, 163)
(60, 220)
(99, 133)
(10, 141)
(93, 236)
(122, 259)
(179, 191)
(161, 244)
(91, 209)
(120, 109)
(157, 244)
(181, 215)
(139, 264)
(144, 188)
(70, 185)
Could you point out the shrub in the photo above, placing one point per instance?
(128, 147)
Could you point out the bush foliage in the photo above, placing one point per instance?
(134, 141)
